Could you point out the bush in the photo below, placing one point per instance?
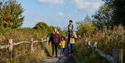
(85, 27)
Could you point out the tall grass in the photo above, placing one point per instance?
(22, 53)
(108, 39)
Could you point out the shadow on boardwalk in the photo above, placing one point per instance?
(60, 60)
(69, 60)
(65, 59)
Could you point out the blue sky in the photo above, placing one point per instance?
(57, 12)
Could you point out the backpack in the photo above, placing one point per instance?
(70, 28)
(56, 38)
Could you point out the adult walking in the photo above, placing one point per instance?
(55, 40)
(69, 34)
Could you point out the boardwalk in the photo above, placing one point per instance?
(65, 59)
(59, 60)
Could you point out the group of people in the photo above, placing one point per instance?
(61, 42)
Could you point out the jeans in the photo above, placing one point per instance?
(69, 34)
(54, 49)
(70, 48)
(62, 51)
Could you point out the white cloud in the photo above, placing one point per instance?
(45, 17)
(51, 1)
(61, 14)
(88, 5)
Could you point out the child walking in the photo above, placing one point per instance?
(72, 43)
(62, 46)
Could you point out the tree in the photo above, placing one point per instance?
(41, 25)
(118, 7)
(103, 17)
(11, 14)
(85, 26)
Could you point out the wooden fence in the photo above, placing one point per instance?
(117, 54)
(11, 44)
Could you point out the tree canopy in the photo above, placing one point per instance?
(85, 26)
(118, 7)
(41, 25)
(103, 17)
(11, 14)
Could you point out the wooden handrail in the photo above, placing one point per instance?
(18, 43)
(117, 53)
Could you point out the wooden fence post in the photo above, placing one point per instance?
(11, 50)
(41, 40)
(47, 39)
(32, 48)
(10, 45)
(117, 56)
(121, 54)
(42, 45)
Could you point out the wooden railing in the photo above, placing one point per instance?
(117, 54)
(11, 44)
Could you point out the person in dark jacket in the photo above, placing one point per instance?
(55, 40)
(69, 34)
